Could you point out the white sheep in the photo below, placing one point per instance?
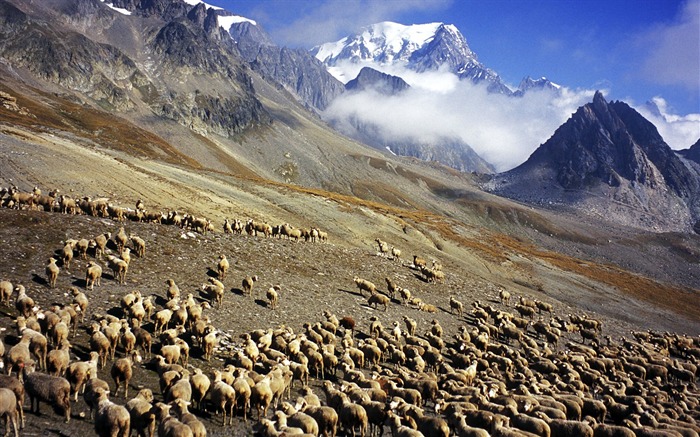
(57, 360)
(52, 271)
(119, 268)
(93, 274)
(222, 267)
(247, 284)
(273, 296)
(111, 420)
(6, 290)
(8, 410)
(139, 245)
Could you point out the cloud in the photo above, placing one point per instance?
(333, 19)
(679, 131)
(673, 50)
(502, 130)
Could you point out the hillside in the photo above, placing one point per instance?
(276, 162)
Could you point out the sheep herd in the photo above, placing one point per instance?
(509, 369)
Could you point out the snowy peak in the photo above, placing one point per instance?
(382, 43)
(542, 83)
(418, 47)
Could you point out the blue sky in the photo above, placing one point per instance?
(635, 49)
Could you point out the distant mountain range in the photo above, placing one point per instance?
(418, 47)
(217, 74)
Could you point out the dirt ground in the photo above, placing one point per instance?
(313, 277)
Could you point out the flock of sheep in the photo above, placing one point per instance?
(511, 369)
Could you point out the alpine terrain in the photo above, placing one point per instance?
(168, 179)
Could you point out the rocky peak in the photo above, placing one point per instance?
(369, 78)
(609, 141)
(693, 153)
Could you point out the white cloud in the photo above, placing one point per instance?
(673, 50)
(335, 18)
(502, 130)
(679, 131)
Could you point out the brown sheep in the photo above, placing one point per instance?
(378, 299)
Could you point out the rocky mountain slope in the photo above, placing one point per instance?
(140, 122)
(608, 160)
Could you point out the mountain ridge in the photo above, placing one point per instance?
(608, 151)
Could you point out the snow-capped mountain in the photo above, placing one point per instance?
(419, 47)
(542, 83)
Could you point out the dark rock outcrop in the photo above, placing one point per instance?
(608, 158)
(369, 78)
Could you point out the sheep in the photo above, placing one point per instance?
(209, 342)
(171, 353)
(325, 417)
(273, 296)
(395, 254)
(79, 372)
(143, 338)
(200, 386)
(566, 428)
(530, 424)
(58, 333)
(122, 371)
(120, 239)
(139, 245)
(189, 419)
(223, 398)
(247, 284)
(99, 343)
(419, 262)
(427, 307)
(140, 411)
(162, 318)
(364, 285)
(52, 271)
(432, 275)
(399, 430)
(181, 389)
(53, 390)
(353, 416)
(222, 267)
(214, 291)
(504, 297)
(100, 244)
(111, 420)
(456, 305)
(261, 396)
(173, 291)
(19, 356)
(525, 310)
(6, 290)
(119, 268)
(93, 273)
(169, 426)
(378, 299)
(57, 360)
(383, 247)
(67, 253)
(80, 300)
(405, 294)
(289, 416)
(23, 303)
(67, 204)
(8, 409)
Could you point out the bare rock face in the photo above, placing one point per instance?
(693, 153)
(297, 70)
(90, 51)
(609, 159)
(369, 78)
